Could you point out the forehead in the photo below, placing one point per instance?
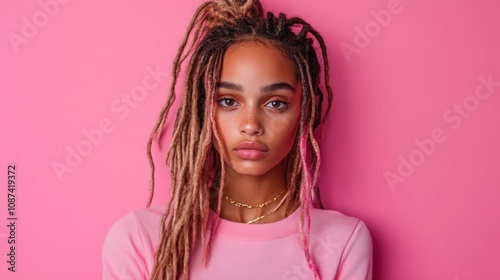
(255, 61)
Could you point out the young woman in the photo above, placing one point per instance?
(244, 162)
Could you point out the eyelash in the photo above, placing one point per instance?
(281, 109)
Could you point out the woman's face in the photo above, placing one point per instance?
(257, 108)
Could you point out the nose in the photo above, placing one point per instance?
(250, 123)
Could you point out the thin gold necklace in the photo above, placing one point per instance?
(271, 212)
(249, 206)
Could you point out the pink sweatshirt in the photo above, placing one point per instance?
(341, 248)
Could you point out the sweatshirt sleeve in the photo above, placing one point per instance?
(357, 259)
(122, 252)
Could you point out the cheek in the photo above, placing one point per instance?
(286, 124)
(219, 132)
(285, 129)
(225, 131)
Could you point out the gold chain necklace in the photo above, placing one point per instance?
(268, 214)
(249, 206)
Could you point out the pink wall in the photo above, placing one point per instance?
(412, 103)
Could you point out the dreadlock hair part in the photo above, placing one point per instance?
(197, 171)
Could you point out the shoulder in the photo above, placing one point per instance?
(136, 221)
(343, 242)
(336, 226)
(325, 220)
(130, 243)
(347, 239)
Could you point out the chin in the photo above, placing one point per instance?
(249, 169)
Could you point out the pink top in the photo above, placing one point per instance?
(341, 248)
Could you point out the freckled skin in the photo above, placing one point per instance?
(270, 118)
(250, 119)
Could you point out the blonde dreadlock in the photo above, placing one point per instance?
(196, 169)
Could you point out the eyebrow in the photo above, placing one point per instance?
(263, 89)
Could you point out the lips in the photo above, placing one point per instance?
(251, 150)
(251, 145)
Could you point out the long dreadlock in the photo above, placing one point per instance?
(196, 170)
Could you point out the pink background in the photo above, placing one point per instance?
(402, 84)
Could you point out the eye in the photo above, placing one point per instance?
(227, 102)
(277, 104)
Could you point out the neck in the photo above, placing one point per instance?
(253, 190)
